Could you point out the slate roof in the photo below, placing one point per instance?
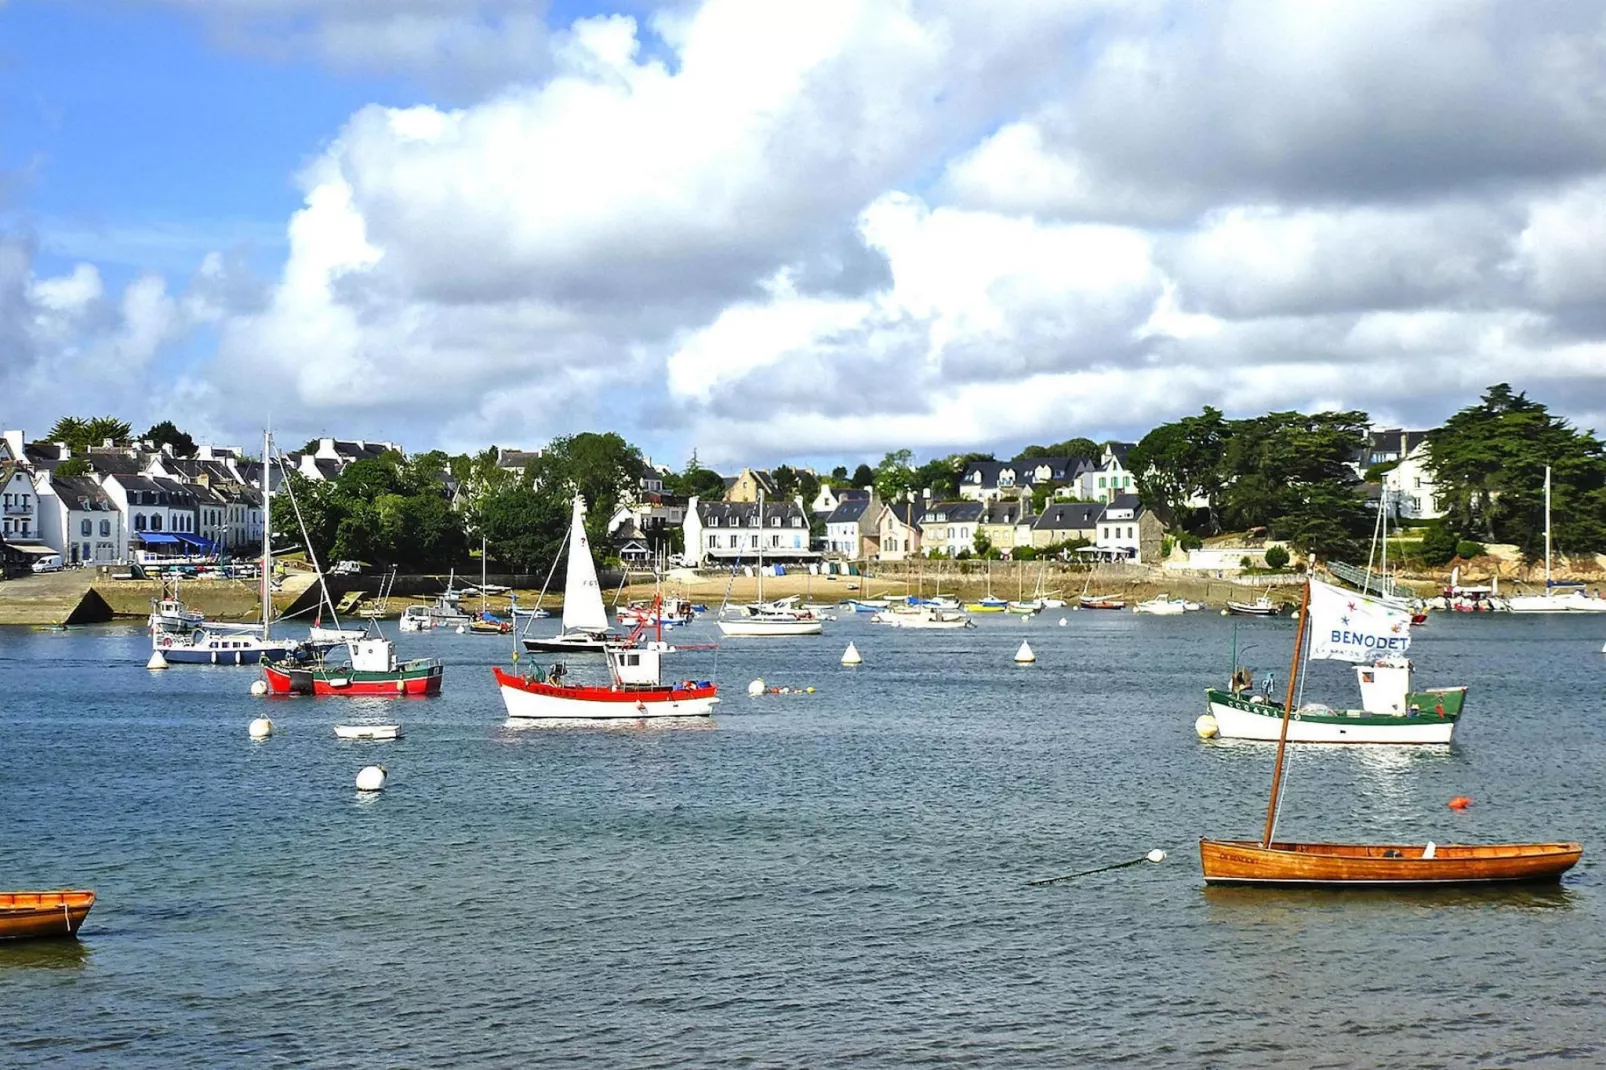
(1069, 516)
(113, 462)
(905, 512)
(82, 493)
(1006, 512)
(954, 512)
(1127, 501)
(739, 514)
(1119, 450)
(849, 510)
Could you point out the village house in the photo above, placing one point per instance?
(850, 528)
(1061, 522)
(1007, 524)
(79, 521)
(19, 509)
(1413, 493)
(828, 498)
(1127, 531)
(728, 533)
(748, 484)
(898, 531)
(950, 527)
(1108, 478)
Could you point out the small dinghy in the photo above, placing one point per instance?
(36, 915)
(368, 731)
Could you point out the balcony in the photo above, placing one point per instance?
(18, 510)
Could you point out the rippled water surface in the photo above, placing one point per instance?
(834, 879)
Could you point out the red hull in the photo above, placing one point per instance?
(633, 696)
(413, 684)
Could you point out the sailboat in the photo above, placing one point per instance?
(585, 620)
(990, 604)
(1357, 628)
(486, 622)
(1269, 861)
(1558, 597)
(210, 644)
(764, 619)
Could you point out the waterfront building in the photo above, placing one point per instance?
(898, 534)
(850, 527)
(79, 521)
(726, 533)
(950, 527)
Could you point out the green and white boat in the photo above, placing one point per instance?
(1346, 626)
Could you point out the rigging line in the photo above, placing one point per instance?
(306, 538)
(540, 599)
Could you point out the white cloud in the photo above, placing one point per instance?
(792, 228)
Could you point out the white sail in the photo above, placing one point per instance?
(582, 596)
(1347, 626)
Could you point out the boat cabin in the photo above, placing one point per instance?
(373, 655)
(638, 666)
(1385, 685)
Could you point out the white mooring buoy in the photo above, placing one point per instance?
(756, 688)
(462, 630)
(260, 728)
(1063, 622)
(157, 661)
(1024, 655)
(1155, 855)
(1206, 726)
(850, 656)
(259, 688)
(371, 778)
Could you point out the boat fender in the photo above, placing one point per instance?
(167, 640)
(401, 686)
(1460, 802)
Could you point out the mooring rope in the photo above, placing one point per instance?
(1156, 855)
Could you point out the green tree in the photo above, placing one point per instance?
(79, 434)
(864, 476)
(166, 434)
(1071, 447)
(785, 479)
(523, 529)
(694, 479)
(1180, 461)
(982, 543)
(840, 472)
(1276, 557)
(1489, 463)
(808, 486)
(895, 475)
(71, 467)
(1438, 544)
(602, 468)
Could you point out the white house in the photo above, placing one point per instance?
(78, 520)
(1108, 479)
(19, 507)
(1410, 483)
(726, 533)
(1128, 532)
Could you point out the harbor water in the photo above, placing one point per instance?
(834, 879)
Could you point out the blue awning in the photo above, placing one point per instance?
(157, 538)
(196, 541)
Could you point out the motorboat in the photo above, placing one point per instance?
(1260, 607)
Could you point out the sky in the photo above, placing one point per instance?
(804, 231)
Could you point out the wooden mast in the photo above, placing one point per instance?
(1288, 710)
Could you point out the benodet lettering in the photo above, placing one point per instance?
(1371, 642)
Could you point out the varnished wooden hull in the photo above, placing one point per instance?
(1383, 864)
(38, 915)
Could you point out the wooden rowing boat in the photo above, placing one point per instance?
(1376, 864)
(32, 915)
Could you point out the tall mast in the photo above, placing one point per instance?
(1547, 529)
(1288, 710)
(761, 547)
(267, 534)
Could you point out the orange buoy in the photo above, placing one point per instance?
(1460, 802)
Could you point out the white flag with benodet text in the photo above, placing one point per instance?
(1348, 626)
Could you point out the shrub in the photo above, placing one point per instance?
(1276, 557)
(1467, 549)
(1190, 541)
(1167, 544)
(1023, 553)
(1439, 545)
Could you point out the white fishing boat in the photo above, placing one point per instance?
(1346, 626)
(585, 619)
(1559, 597)
(635, 690)
(769, 620)
(169, 613)
(1163, 605)
(1260, 607)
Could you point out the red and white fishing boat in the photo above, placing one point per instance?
(634, 691)
(371, 668)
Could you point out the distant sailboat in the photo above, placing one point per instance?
(1558, 597)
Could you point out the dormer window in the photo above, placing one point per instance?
(775, 521)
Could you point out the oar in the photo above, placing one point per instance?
(1155, 855)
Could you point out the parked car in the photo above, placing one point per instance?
(48, 563)
(346, 568)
